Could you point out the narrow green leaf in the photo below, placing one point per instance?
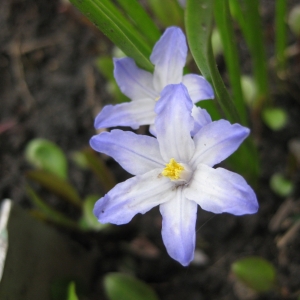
(257, 49)
(72, 292)
(224, 23)
(168, 12)
(280, 33)
(255, 272)
(198, 19)
(124, 287)
(119, 30)
(124, 23)
(141, 19)
(65, 288)
(56, 185)
(103, 173)
(47, 156)
(50, 213)
(237, 13)
(247, 14)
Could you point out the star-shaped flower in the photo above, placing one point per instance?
(143, 88)
(175, 172)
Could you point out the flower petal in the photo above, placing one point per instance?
(134, 82)
(219, 190)
(198, 87)
(135, 195)
(137, 154)
(169, 56)
(174, 123)
(216, 141)
(178, 227)
(201, 118)
(131, 114)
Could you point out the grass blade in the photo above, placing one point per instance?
(248, 17)
(143, 22)
(56, 185)
(224, 23)
(198, 19)
(117, 28)
(168, 12)
(50, 213)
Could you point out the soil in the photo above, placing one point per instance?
(51, 88)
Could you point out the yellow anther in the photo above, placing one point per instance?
(157, 98)
(173, 169)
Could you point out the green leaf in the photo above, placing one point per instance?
(250, 22)
(275, 118)
(68, 287)
(50, 213)
(168, 12)
(47, 156)
(72, 292)
(216, 42)
(105, 176)
(141, 19)
(88, 220)
(199, 14)
(105, 15)
(280, 185)
(124, 287)
(56, 185)
(255, 272)
(198, 19)
(224, 23)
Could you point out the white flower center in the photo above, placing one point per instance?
(177, 172)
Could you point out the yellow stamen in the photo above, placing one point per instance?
(157, 98)
(173, 169)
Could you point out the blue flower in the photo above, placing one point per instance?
(175, 172)
(143, 88)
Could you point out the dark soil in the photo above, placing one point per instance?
(51, 88)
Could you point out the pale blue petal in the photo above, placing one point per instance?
(174, 123)
(198, 87)
(201, 118)
(132, 114)
(152, 129)
(178, 227)
(169, 56)
(219, 190)
(137, 154)
(134, 82)
(182, 3)
(136, 195)
(216, 141)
